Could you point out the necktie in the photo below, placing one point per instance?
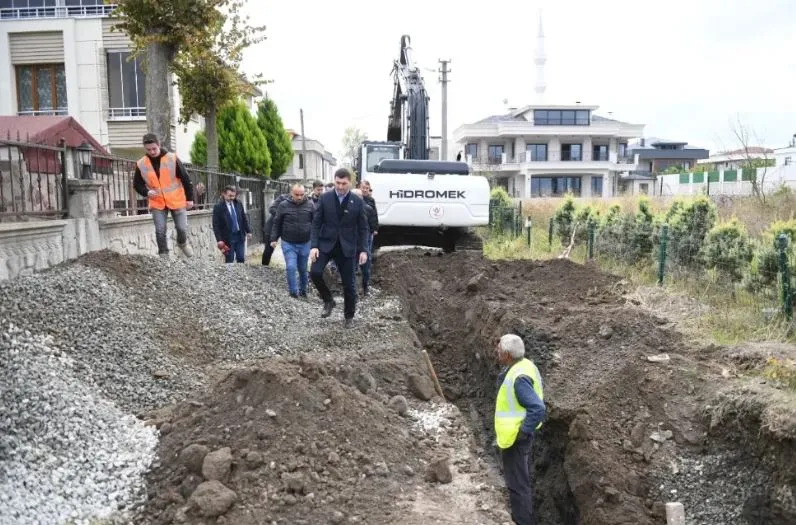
(235, 227)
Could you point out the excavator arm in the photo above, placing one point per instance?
(408, 123)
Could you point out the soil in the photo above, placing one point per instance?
(625, 434)
(318, 438)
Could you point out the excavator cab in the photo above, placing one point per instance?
(371, 153)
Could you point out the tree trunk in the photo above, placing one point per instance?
(211, 132)
(158, 84)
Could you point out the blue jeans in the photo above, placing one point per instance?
(368, 266)
(237, 248)
(296, 257)
(160, 218)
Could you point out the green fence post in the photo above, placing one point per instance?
(550, 235)
(787, 300)
(591, 240)
(662, 253)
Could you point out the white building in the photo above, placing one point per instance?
(736, 159)
(548, 150)
(786, 156)
(61, 57)
(320, 164)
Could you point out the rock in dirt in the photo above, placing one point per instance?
(420, 386)
(212, 498)
(399, 404)
(364, 382)
(193, 456)
(294, 482)
(606, 331)
(217, 464)
(658, 358)
(439, 470)
(476, 283)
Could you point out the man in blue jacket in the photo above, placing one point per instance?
(339, 233)
(231, 226)
(519, 413)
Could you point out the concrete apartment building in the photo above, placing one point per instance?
(61, 57)
(320, 164)
(548, 151)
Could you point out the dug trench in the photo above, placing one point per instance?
(629, 428)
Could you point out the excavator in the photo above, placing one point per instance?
(424, 202)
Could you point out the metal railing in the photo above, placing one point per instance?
(43, 112)
(127, 113)
(32, 181)
(76, 11)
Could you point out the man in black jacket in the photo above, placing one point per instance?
(339, 232)
(269, 227)
(317, 189)
(293, 224)
(373, 226)
(231, 226)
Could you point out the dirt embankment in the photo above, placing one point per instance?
(626, 433)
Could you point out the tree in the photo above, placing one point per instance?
(750, 159)
(208, 71)
(159, 31)
(242, 146)
(352, 138)
(279, 144)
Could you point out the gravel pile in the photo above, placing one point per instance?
(66, 455)
(144, 329)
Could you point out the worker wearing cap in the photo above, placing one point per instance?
(519, 413)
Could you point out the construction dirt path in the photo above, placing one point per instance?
(280, 417)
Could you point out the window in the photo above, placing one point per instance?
(87, 7)
(571, 152)
(537, 152)
(377, 153)
(41, 90)
(596, 186)
(27, 8)
(555, 186)
(301, 161)
(567, 117)
(599, 152)
(622, 150)
(495, 153)
(788, 161)
(126, 88)
(644, 188)
(471, 150)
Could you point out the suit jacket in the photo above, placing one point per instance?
(345, 224)
(222, 220)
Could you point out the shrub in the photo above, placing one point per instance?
(564, 219)
(728, 250)
(500, 197)
(688, 229)
(627, 236)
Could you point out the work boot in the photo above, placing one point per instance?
(303, 294)
(186, 249)
(349, 322)
(294, 295)
(327, 309)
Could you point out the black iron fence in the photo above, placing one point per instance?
(32, 181)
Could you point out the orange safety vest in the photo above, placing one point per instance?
(171, 194)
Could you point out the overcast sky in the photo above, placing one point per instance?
(682, 68)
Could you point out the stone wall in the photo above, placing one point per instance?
(27, 247)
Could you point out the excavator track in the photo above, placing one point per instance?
(469, 241)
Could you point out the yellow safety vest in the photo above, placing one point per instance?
(509, 414)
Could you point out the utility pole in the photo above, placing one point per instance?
(303, 150)
(444, 81)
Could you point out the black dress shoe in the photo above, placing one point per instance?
(303, 294)
(294, 295)
(327, 309)
(349, 323)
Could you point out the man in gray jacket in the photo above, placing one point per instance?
(293, 224)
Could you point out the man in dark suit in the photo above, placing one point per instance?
(339, 232)
(231, 226)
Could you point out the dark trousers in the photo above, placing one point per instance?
(347, 267)
(516, 472)
(237, 248)
(267, 253)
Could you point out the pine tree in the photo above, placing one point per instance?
(242, 146)
(279, 144)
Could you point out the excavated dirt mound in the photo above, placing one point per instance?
(628, 429)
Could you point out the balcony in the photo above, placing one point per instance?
(43, 112)
(57, 11)
(134, 113)
(553, 163)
